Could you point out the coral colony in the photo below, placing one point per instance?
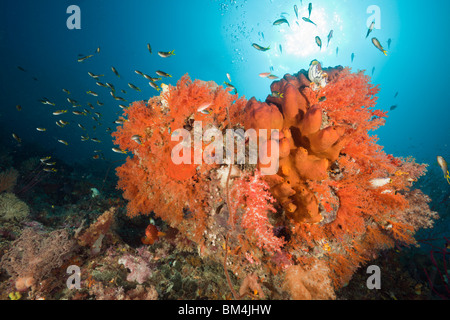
(282, 198)
(333, 201)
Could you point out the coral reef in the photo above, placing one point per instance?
(139, 268)
(311, 284)
(252, 194)
(330, 166)
(340, 199)
(12, 207)
(33, 257)
(8, 180)
(94, 235)
(101, 292)
(251, 284)
(149, 179)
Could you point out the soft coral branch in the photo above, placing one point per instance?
(258, 202)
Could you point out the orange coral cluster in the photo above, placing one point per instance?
(329, 167)
(340, 197)
(309, 143)
(149, 179)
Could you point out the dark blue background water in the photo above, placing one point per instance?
(211, 39)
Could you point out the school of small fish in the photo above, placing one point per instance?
(284, 21)
(78, 110)
(317, 77)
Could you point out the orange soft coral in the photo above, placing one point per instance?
(333, 211)
(308, 145)
(328, 162)
(149, 179)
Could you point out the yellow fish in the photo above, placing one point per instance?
(63, 142)
(260, 48)
(378, 45)
(59, 112)
(277, 94)
(132, 86)
(163, 74)
(154, 86)
(16, 137)
(84, 58)
(115, 71)
(444, 167)
(163, 54)
(319, 42)
(117, 150)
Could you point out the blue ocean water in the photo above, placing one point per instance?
(210, 39)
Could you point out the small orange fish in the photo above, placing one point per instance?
(151, 234)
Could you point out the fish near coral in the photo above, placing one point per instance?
(319, 42)
(315, 74)
(444, 167)
(378, 45)
(151, 234)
